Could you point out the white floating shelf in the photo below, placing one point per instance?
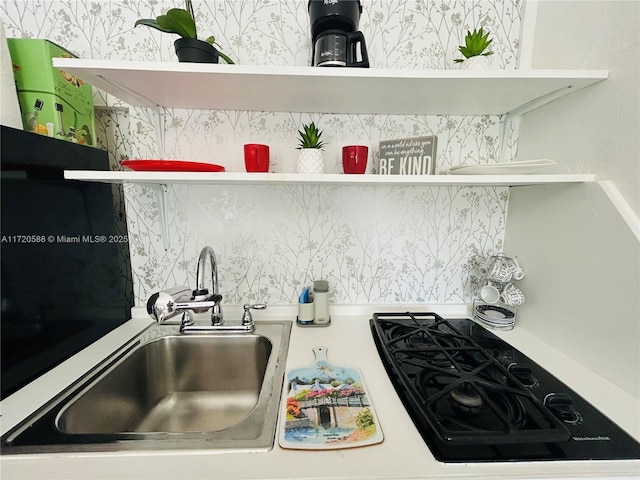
(328, 90)
(241, 178)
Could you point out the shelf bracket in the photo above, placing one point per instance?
(141, 100)
(161, 190)
(160, 130)
(507, 120)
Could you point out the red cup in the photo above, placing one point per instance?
(256, 157)
(354, 158)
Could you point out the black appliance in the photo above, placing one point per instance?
(335, 39)
(475, 398)
(66, 273)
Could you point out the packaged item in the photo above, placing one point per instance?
(53, 102)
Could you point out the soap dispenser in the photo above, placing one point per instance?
(321, 302)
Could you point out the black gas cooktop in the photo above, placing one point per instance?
(475, 398)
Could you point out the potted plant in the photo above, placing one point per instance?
(474, 50)
(310, 145)
(188, 48)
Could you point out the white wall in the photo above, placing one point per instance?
(598, 129)
(581, 257)
(582, 277)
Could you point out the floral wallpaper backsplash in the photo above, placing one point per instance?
(374, 244)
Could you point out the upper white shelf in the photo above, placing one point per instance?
(328, 90)
(241, 178)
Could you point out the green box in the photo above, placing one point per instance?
(53, 102)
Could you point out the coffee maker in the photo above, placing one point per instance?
(336, 41)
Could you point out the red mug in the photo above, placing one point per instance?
(354, 158)
(256, 157)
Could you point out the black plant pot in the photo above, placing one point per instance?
(195, 51)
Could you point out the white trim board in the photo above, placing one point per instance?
(622, 206)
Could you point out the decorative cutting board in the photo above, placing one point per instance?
(327, 407)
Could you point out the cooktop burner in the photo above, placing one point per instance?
(473, 397)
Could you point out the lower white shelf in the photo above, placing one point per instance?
(242, 178)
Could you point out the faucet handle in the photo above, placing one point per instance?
(247, 319)
(160, 305)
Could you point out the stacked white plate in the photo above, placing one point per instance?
(495, 316)
(511, 168)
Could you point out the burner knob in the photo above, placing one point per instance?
(561, 405)
(523, 373)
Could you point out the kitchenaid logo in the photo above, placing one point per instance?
(330, 2)
(599, 438)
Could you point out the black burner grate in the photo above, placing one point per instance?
(458, 387)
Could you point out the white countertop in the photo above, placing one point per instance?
(402, 455)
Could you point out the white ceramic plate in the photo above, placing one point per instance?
(513, 168)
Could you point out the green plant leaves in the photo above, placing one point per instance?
(225, 58)
(310, 138)
(152, 22)
(179, 21)
(211, 40)
(475, 44)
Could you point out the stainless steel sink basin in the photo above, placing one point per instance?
(174, 384)
(218, 392)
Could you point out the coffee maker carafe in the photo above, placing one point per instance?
(336, 41)
(337, 48)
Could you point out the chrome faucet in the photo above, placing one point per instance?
(201, 291)
(165, 305)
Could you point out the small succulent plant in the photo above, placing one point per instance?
(181, 22)
(475, 44)
(310, 138)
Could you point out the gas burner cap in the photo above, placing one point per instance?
(465, 395)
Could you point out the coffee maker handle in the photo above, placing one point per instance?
(355, 41)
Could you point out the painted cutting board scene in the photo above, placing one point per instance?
(327, 407)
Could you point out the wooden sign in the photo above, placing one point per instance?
(408, 156)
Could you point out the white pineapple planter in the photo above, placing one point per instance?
(310, 161)
(479, 62)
